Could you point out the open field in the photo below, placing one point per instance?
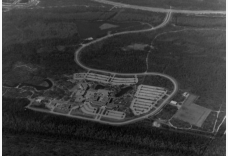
(179, 4)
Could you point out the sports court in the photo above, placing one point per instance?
(193, 114)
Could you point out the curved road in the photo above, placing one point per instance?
(162, 10)
(165, 21)
(77, 53)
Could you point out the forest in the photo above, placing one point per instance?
(18, 120)
(48, 38)
(196, 62)
(110, 56)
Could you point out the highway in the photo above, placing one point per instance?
(161, 10)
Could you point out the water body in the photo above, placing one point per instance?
(123, 91)
(50, 84)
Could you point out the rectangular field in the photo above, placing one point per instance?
(193, 114)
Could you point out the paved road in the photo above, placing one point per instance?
(162, 10)
(77, 53)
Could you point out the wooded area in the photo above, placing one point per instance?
(19, 120)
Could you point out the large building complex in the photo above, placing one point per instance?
(108, 98)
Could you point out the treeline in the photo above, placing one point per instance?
(66, 146)
(19, 120)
